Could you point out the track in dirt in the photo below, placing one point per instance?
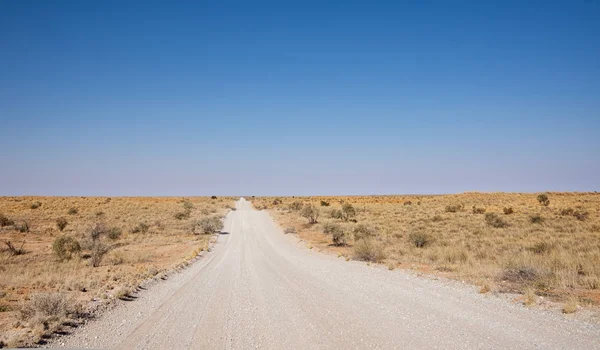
(258, 288)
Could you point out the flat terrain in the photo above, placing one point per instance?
(501, 242)
(259, 288)
(140, 238)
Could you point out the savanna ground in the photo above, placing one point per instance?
(540, 246)
(61, 255)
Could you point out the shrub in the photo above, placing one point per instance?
(477, 210)
(419, 239)
(213, 197)
(368, 250)
(97, 230)
(508, 210)
(454, 208)
(47, 305)
(208, 225)
(182, 215)
(330, 227)
(4, 221)
(362, 231)
(64, 247)
(61, 223)
(437, 218)
(35, 205)
(24, 227)
(114, 233)
(73, 211)
(188, 206)
(141, 228)
(324, 204)
(348, 211)
(311, 213)
(338, 237)
(581, 215)
(289, 230)
(296, 206)
(277, 201)
(566, 211)
(336, 214)
(408, 203)
(536, 219)
(543, 199)
(99, 250)
(492, 219)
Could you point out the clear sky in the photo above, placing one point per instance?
(298, 98)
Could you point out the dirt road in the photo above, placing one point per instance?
(259, 289)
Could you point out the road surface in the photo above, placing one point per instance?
(259, 288)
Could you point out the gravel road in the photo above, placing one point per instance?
(259, 288)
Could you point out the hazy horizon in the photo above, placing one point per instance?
(269, 98)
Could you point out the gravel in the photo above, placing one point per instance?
(259, 288)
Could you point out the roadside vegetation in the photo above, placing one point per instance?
(538, 245)
(59, 255)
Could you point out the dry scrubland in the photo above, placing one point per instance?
(541, 246)
(59, 256)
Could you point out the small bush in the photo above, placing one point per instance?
(419, 239)
(407, 203)
(311, 213)
(47, 305)
(99, 250)
(368, 250)
(566, 211)
(23, 228)
(330, 227)
(338, 237)
(348, 211)
(536, 219)
(477, 210)
(64, 247)
(208, 225)
(296, 206)
(141, 228)
(213, 197)
(324, 204)
(61, 223)
(289, 230)
(362, 231)
(73, 211)
(437, 218)
(182, 215)
(35, 205)
(454, 208)
(188, 206)
(114, 233)
(336, 214)
(508, 210)
(276, 201)
(581, 215)
(4, 221)
(543, 199)
(494, 220)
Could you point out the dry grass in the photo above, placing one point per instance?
(142, 238)
(512, 241)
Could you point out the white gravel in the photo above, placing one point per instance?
(259, 289)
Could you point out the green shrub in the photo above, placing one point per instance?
(311, 213)
(61, 223)
(419, 239)
(492, 219)
(64, 247)
(543, 199)
(368, 250)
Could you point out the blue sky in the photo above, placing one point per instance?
(298, 98)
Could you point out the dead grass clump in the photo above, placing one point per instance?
(182, 215)
(5, 221)
(536, 219)
(61, 223)
(419, 239)
(492, 219)
(368, 250)
(454, 208)
(99, 250)
(114, 233)
(529, 297)
(208, 225)
(289, 229)
(35, 205)
(14, 250)
(566, 211)
(73, 211)
(142, 227)
(581, 215)
(570, 306)
(478, 210)
(64, 247)
(540, 248)
(46, 312)
(508, 210)
(296, 206)
(362, 231)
